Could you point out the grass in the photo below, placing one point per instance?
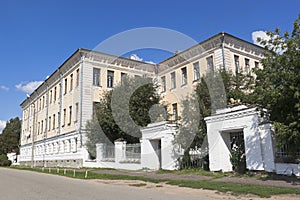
(262, 191)
(198, 171)
(234, 188)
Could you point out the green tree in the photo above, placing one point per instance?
(9, 139)
(277, 84)
(211, 93)
(122, 111)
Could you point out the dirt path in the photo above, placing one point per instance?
(200, 193)
(284, 181)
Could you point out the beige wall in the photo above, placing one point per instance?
(172, 96)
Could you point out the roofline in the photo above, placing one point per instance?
(210, 38)
(78, 51)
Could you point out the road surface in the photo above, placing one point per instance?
(27, 185)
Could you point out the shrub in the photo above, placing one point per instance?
(4, 160)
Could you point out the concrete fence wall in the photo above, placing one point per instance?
(116, 158)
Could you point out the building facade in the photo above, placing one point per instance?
(55, 114)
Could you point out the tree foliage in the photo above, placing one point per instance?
(212, 92)
(9, 139)
(122, 112)
(277, 84)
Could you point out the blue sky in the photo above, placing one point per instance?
(36, 37)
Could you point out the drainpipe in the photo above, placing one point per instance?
(46, 125)
(223, 55)
(80, 99)
(33, 130)
(60, 102)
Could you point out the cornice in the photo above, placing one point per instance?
(231, 115)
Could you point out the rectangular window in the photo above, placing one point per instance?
(183, 76)
(236, 63)
(110, 79)
(173, 80)
(64, 117)
(39, 127)
(42, 126)
(76, 111)
(58, 119)
(210, 64)
(175, 111)
(123, 76)
(55, 92)
(256, 64)
(163, 84)
(77, 77)
(71, 82)
(49, 124)
(43, 102)
(196, 71)
(66, 86)
(247, 66)
(50, 98)
(96, 76)
(70, 115)
(53, 127)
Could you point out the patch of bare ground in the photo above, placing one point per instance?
(182, 191)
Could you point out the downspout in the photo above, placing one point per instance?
(223, 54)
(80, 99)
(60, 102)
(46, 124)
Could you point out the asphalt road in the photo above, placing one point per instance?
(27, 185)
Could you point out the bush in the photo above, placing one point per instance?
(4, 160)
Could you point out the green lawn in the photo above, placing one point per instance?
(234, 188)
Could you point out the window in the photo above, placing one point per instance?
(53, 126)
(71, 82)
(183, 76)
(50, 98)
(175, 111)
(236, 63)
(163, 84)
(55, 92)
(76, 111)
(77, 77)
(210, 64)
(49, 124)
(64, 117)
(123, 76)
(66, 86)
(173, 80)
(70, 115)
(110, 79)
(247, 66)
(42, 126)
(256, 64)
(39, 128)
(96, 76)
(196, 71)
(43, 102)
(58, 119)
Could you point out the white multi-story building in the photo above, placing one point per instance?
(55, 114)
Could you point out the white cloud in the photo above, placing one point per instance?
(2, 87)
(136, 57)
(259, 34)
(28, 88)
(2, 125)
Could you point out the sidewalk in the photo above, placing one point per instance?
(276, 181)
